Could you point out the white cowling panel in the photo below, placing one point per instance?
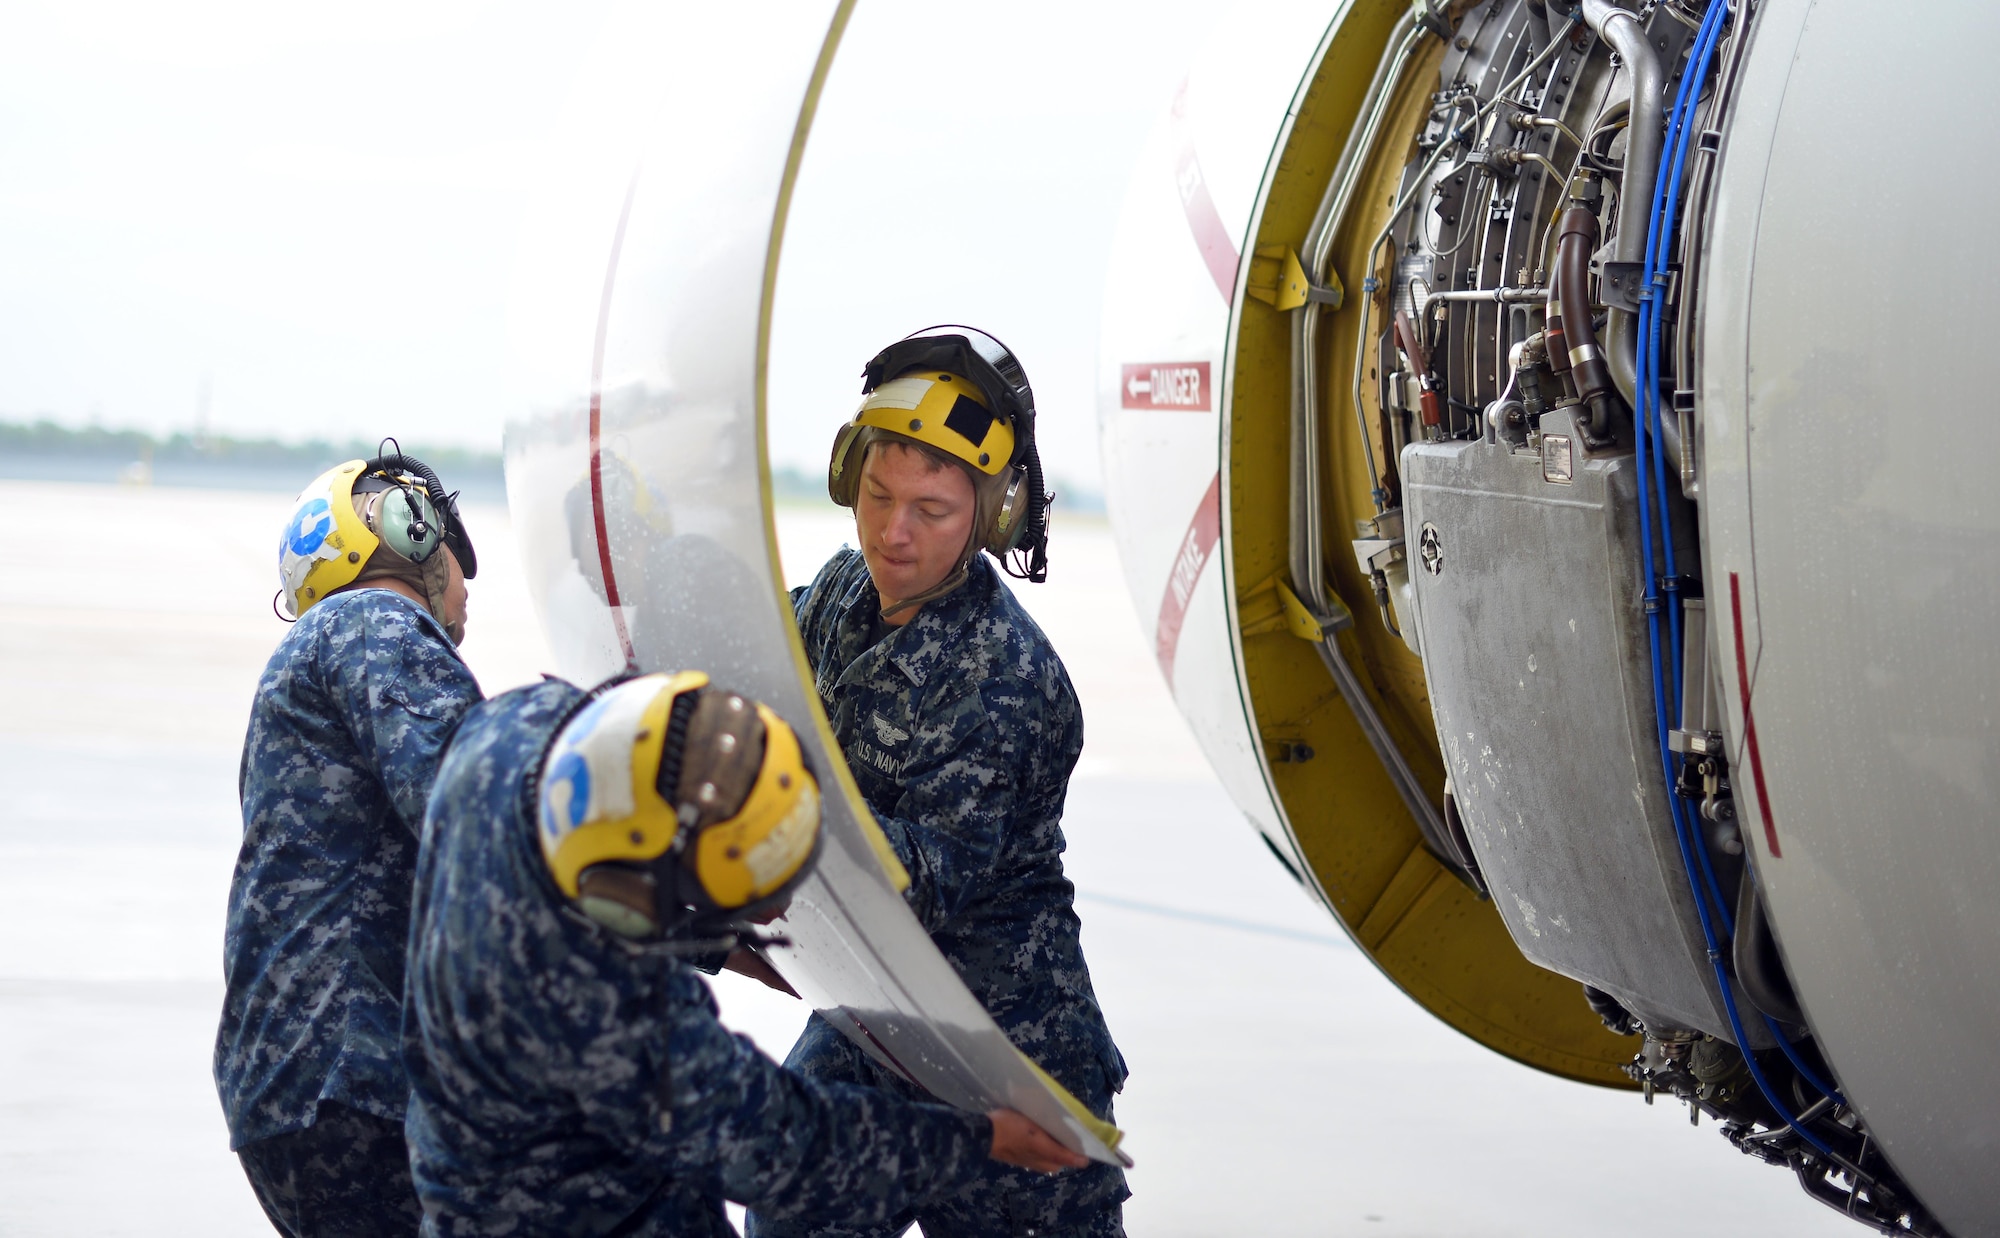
(637, 478)
(1852, 525)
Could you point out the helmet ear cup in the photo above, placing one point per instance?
(621, 898)
(843, 470)
(407, 522)
(1010, 518)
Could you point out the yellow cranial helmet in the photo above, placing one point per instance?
(937, 408)
(325, 542)
(667, 803)
(328, 539)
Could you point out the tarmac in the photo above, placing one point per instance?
(1280, 1085)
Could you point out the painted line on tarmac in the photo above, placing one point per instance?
(1202, 917)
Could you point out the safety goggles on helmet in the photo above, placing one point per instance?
(666, 805)
(917, 388)
(327, 542)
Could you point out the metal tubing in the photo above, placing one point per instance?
(1505, 296)
(1644, 139)
(1550, 122)
(1307, 554)
(1538, 21)
(1301, 343)
(1430, 821)
(1759, 967)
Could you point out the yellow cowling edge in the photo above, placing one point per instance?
(782, 781)
(1426, 931)
(650, 830)
(893, 871)
(892, 868)
(925, 423)
(1107, 1134)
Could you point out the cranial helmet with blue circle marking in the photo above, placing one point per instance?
(669, 806)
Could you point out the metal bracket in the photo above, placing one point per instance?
(1619, 287)
(1279, 280)
(1696, 743)
(1257, 615)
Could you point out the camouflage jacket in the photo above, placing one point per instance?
(565, 1081)
(351, 714)
(962, 728)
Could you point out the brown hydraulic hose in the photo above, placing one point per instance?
(1558, 340)
(1427, 387)
(1578, 236)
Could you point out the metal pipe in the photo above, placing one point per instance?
(1550, 122)
(1307, 553)
(1760, 969)
(1302, 342)
(1644, 139)
(1430, 820)
(1340, 189)
(1505, 296)
(1538, 21)
(1528, 156)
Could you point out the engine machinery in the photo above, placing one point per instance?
(1595, 579)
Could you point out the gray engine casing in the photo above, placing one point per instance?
(1530, 602)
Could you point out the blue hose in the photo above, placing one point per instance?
(1652, 484)
(1666, 201)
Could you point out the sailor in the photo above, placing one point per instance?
(568, 1072)
(349, 720)
(961, 727)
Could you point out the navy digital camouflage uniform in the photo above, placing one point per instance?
(962, 728)
(567, 1081)
(351, 715)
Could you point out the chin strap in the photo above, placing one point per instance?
(947, 585)
(437, 578)
(931, 594)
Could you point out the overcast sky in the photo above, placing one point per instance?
(310, 213)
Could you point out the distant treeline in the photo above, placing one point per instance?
(47, 451)
(48, 438)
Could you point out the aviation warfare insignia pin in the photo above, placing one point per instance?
(888, 732)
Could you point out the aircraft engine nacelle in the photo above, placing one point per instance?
(1546, 497)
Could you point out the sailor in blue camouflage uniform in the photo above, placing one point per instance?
(351, 716)
(961, 727)
(569, 1075)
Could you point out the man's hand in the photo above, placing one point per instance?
(1019, 1142)
(745, 962)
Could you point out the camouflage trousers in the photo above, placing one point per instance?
(1001, 1202)
(345, 1176)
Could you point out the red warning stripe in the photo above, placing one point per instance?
(875, 1040)
(1211, 235)
(1750, 723)
(596, 417)
(1218, 251)
(1196, 546)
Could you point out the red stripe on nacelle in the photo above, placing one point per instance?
(1211, 235)
(596, 418)
(1189, 560)
(1750, 723)
(1218, 251)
